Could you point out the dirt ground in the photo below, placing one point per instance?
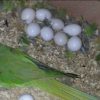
(84, 65)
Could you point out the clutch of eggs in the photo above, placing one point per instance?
(60, 38)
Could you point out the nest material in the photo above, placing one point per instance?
(84, 65)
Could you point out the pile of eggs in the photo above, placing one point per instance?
(56, 31)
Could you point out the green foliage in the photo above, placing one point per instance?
(24, 39)
(21, 3)
(8, 5)
(69, 54)
(17, 69)
(61, 13)
(97, 42)
(98, 57)
(43, 4)
(90, 29)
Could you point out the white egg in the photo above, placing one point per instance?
(60, 39)
(47, 33)
(28, 15)
(33, 30)
(42, 14)
(26, 97)
(72, 29)
(74, 43)
(57, 24)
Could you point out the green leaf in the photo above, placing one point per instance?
(17, 69)
(90, 29)
(24, 40)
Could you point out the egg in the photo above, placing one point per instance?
(26, 97)
(33, 30)
(74, 43)
(57, 24)
(60, 39)
(28, 15)
(42, 14)
(72, 29)
(47, 33)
